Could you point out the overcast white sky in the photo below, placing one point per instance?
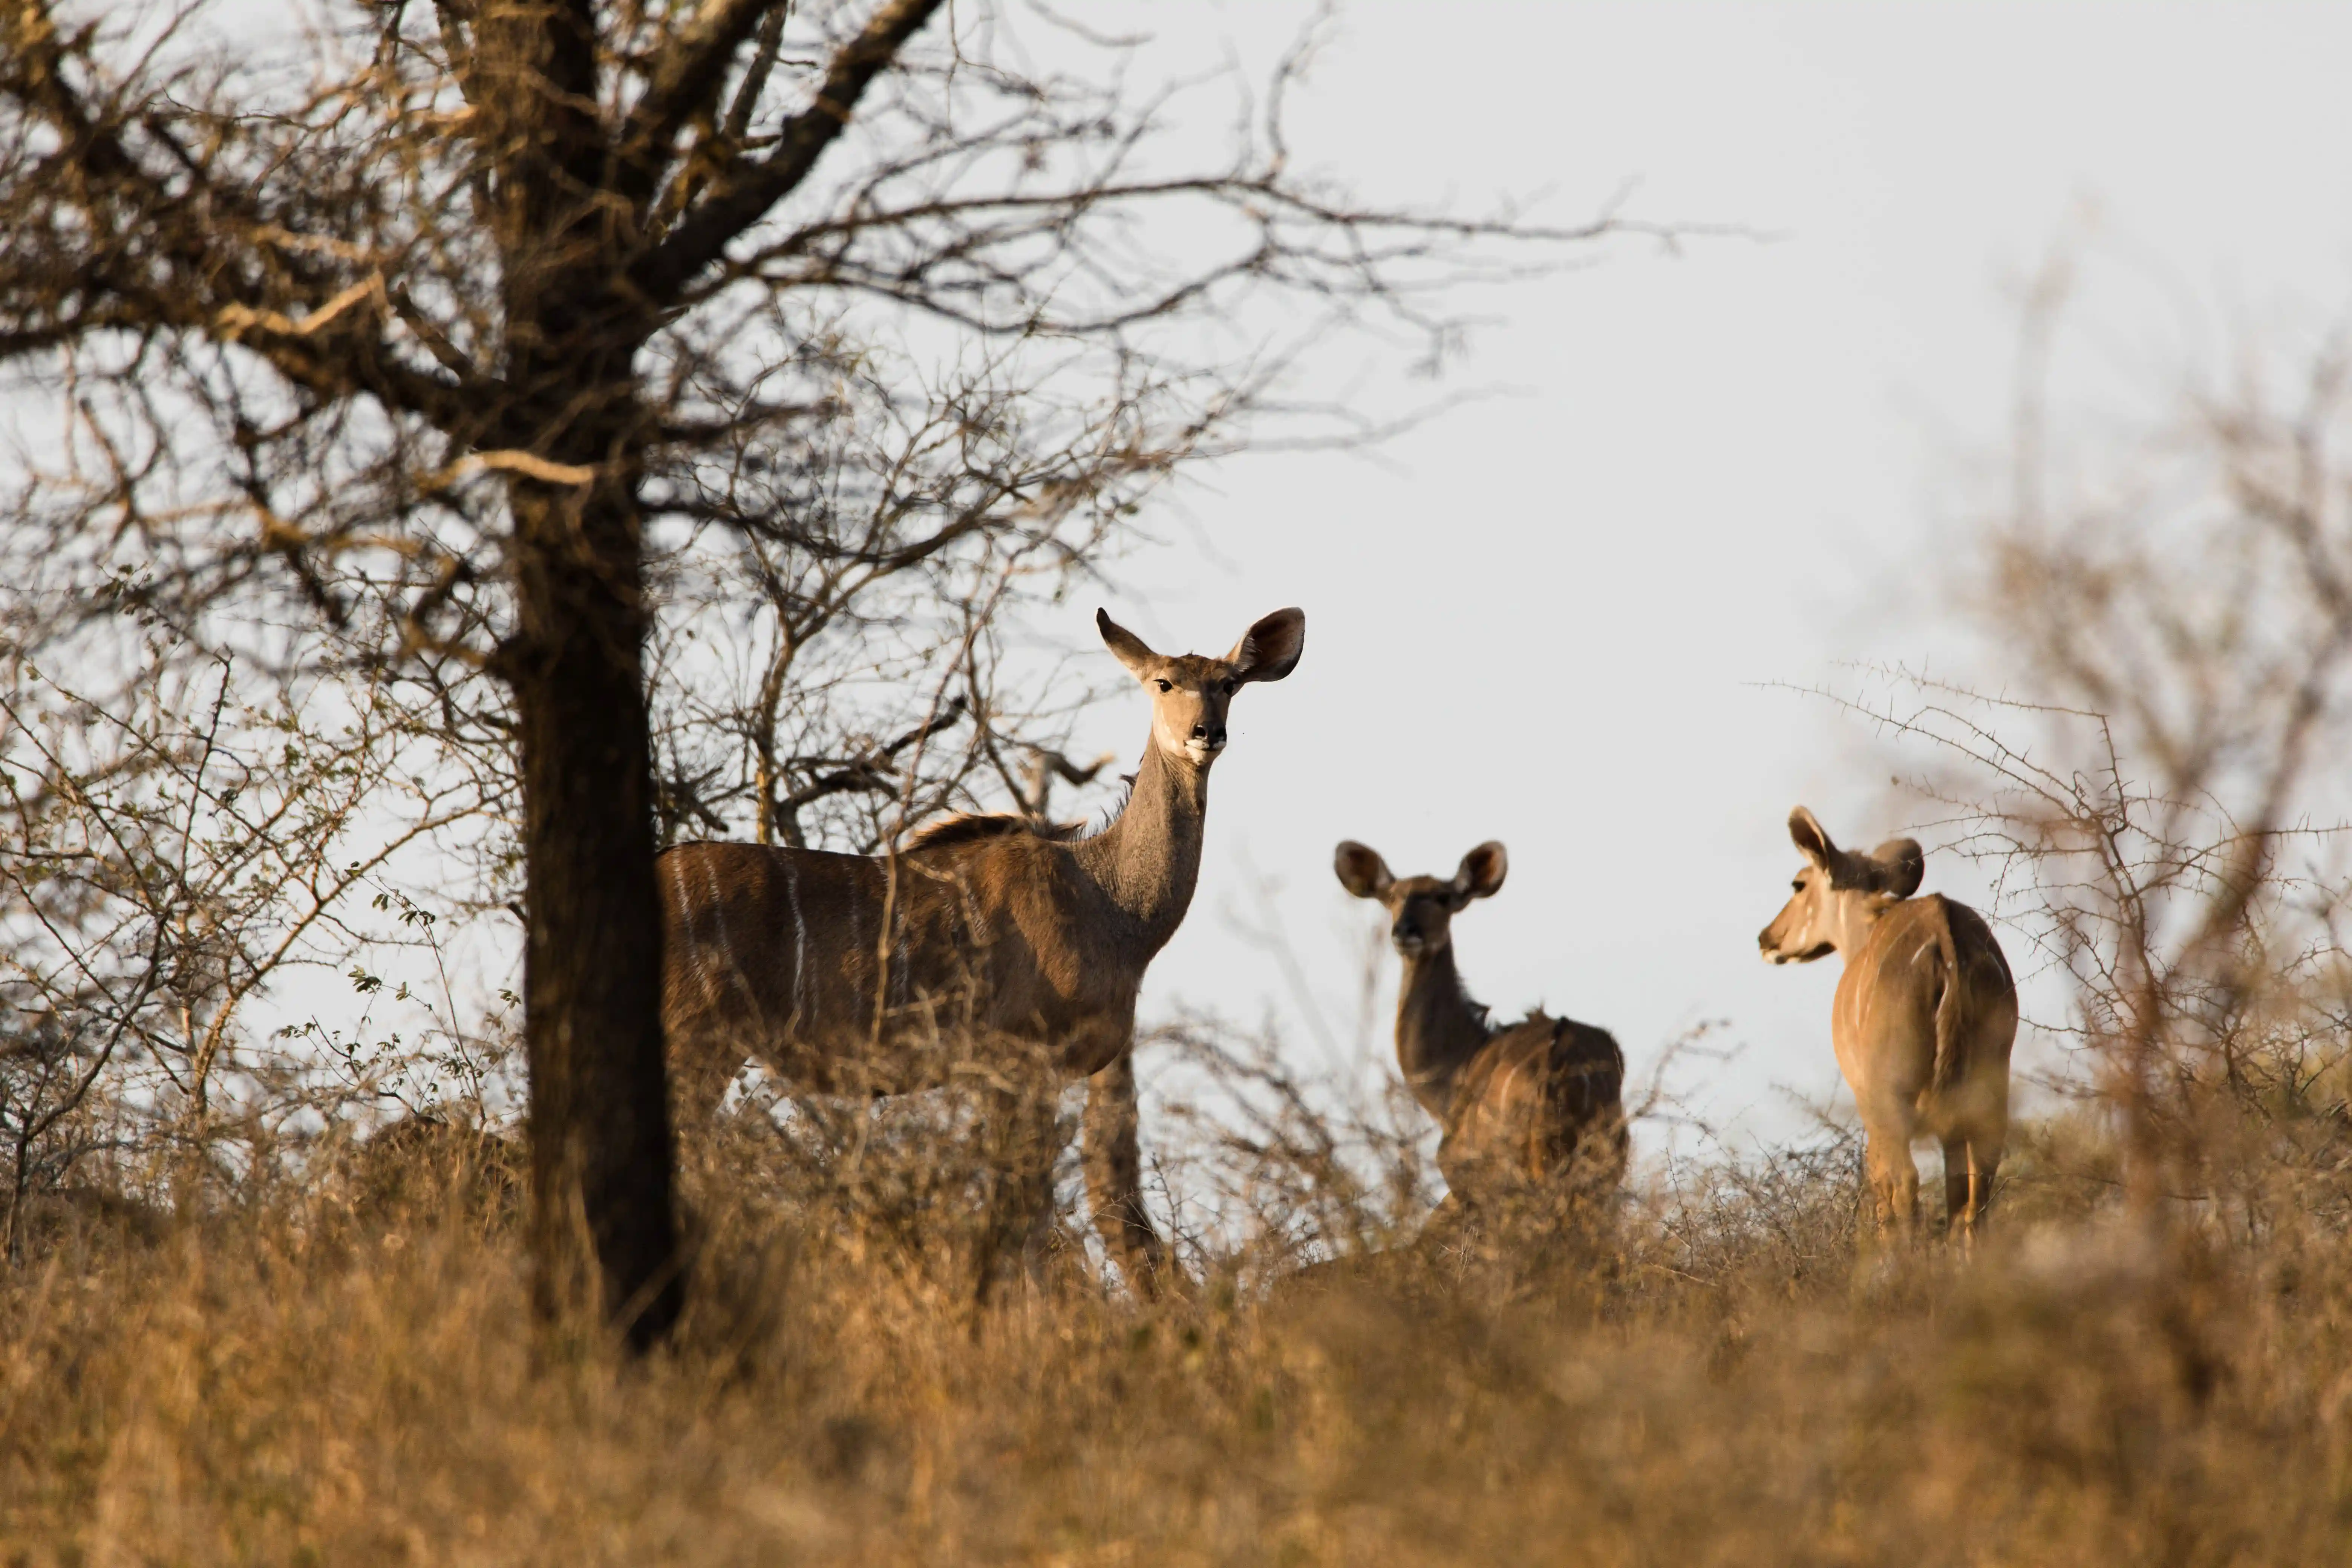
(1552, 619)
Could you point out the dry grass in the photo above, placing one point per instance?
(347, 1374)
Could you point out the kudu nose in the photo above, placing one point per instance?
(1215, 734)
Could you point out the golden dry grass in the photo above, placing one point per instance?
(348, 1373)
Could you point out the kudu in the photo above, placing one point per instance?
(1529, 1109)
(981, 940)
(1922, 1024)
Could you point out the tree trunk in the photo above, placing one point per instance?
(604, 1233)
(603, 1229)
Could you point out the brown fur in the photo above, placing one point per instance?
(964, 827)
(1524, 1108)
(1006, 948)
(991, 936)
(1923, 1021)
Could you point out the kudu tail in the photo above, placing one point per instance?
(1949, 1008)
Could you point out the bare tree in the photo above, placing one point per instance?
(467, 324)
(852, 624)
(165, 857)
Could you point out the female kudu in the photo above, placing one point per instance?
(982, 940)
(1922, 1025)
(1529, 1108)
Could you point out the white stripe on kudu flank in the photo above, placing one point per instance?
(850, 970)
(685, 919)
(719, 928)
(1510, 1082)
(800, 942)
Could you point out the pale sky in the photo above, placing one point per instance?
(1554, 619)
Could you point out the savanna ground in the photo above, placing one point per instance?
(346, 1369)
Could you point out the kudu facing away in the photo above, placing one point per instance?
(981, 941)
(1529, 1110)
(1922, 1025)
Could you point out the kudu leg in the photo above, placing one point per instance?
(1984, 1165)
(1448, 1230)
(1114, 1161)
(699, 1079)
(1026, 1140)
(1959, 1207)
(1893, 1178)
(1969, 1166)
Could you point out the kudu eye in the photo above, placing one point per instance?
(1230, 687)
(1798, 886)
(1165, 684)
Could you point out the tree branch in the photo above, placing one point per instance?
(743, 195)
(685, 86)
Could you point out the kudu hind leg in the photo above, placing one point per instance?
(1958, 1202)
(1969, 1166)
(1894, 1180)
(700, 1077)
(1026, 1142)
(1449, 1234)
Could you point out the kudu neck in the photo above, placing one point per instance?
(1439, 1028)
(1853, 920)
(1148, 861)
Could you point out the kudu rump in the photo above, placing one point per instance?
(1925, 1016)
(1530, 1109)
(982, 941)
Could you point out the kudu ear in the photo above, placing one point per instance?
(1126, 647)
(1361, 870)
(1482, 872)
(1811, 839)
(1270, 649)
(1902, 864)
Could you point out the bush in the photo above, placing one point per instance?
(303, 1378)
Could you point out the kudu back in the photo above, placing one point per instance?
(1532, 1109)
(982, 942)
(1922, 1024)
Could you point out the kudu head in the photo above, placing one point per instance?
(1189, 693)
(1839, 894)
(1421, 908)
